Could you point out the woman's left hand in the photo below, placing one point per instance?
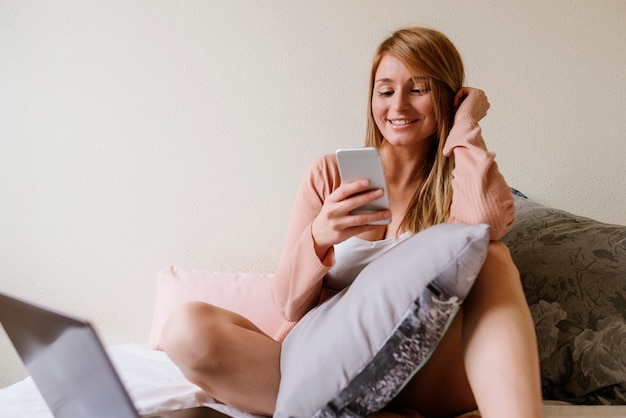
(470, 102)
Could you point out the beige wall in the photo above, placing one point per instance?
(139, 134)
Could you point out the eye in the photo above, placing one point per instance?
(385, 93)
(420, 91)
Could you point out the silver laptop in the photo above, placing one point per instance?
(70, 366)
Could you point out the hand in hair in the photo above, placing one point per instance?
(470, 102)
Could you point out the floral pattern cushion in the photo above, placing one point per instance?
(573, 270)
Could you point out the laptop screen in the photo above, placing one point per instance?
(66, 360)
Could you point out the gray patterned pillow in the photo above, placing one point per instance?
(573, 271)
(351, 355)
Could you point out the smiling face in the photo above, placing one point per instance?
(402, 104)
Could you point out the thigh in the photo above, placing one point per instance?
(226, 355)
(441, 387)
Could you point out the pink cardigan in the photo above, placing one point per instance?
(480, 195)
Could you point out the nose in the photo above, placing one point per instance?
(401, 101)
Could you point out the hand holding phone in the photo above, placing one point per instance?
(360, 164)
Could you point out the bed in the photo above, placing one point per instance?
(155, 384)
(574, 275)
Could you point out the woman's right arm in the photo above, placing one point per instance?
(320, 219)
(298, 280)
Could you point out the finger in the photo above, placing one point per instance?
(340, 215)
(329, 230)
(345, 190)
(369, 218)
(357, 200)
(473, 102)
(460, 96)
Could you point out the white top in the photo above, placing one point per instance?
(353, 254)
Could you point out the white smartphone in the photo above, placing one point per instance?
(360, 164)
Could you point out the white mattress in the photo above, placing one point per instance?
(155, 385)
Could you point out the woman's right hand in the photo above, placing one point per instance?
(335, 224)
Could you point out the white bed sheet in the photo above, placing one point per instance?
(155, 384)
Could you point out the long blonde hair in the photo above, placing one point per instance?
(430, 52)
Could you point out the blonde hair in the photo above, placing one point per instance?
(429, 52)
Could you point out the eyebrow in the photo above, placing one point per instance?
(388, 80)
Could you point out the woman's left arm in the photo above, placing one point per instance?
(479, 192)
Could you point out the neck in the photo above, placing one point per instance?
(405, 172)
(404, 168)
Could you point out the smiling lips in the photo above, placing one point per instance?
(402, 122)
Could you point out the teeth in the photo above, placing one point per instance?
(401, 122)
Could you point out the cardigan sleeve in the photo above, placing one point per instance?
(479, 192)
(297, 283)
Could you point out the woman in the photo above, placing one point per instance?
(437, 168)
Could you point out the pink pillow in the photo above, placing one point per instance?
(248, 294)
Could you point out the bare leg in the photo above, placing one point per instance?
(488, 356)
(500, 344)
(226, 355)
(441, 388)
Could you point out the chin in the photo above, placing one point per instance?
(409, 142)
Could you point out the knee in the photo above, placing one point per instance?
(499, 259)
(191, 335)
(499, 278)
(498, 249)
